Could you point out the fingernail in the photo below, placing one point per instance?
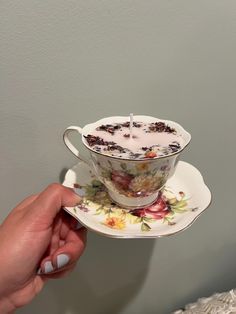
(48, 268)
(62, 260)
(79, 192)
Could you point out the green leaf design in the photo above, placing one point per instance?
(180, 204)
(96, 183)
(110, 164)
(98, 211)
(90, 191)
(75, 210)
(106, 173)
(133, 219)
(147, 219)
(123, 166)
(145, 227)
(179, 210)
(103, 210)
(169, 218)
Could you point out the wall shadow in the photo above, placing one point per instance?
(112, 273)
(62, 174)
(212, 274)
(108, 276)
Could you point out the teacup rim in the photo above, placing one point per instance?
(103, 120)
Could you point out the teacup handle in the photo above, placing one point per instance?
(74, 150)
(68, 143)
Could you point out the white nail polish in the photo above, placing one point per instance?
(48, 268)
(62, 260)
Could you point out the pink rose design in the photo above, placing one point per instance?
(158, 210)
(121, 179)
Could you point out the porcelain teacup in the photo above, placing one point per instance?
(131, 183)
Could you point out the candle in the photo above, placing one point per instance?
(135, 139)
(131, 125)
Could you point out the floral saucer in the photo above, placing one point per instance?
(179, 204)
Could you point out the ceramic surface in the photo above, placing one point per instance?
(132, 183)
(179, 203)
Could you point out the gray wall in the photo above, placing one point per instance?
(73, 62)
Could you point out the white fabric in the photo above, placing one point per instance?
(218, 303)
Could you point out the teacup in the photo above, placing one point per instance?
(131, 182)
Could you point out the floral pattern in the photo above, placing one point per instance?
(133, 180)
(165, 208)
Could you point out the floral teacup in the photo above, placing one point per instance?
(131, 183)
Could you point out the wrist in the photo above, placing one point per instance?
(6, 307)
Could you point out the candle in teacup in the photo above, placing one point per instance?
(135, 139)
(131, 122)
(132, 156)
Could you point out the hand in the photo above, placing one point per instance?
(38, 241)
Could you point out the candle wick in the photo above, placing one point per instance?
(131, 117)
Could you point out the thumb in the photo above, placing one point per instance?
(48, 203)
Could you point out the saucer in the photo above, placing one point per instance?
(182, 200)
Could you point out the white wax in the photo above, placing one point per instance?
(142, 137)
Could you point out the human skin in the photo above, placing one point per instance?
(38, 241)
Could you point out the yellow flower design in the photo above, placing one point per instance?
(142, 166)
(146, 183)
(115, 223)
